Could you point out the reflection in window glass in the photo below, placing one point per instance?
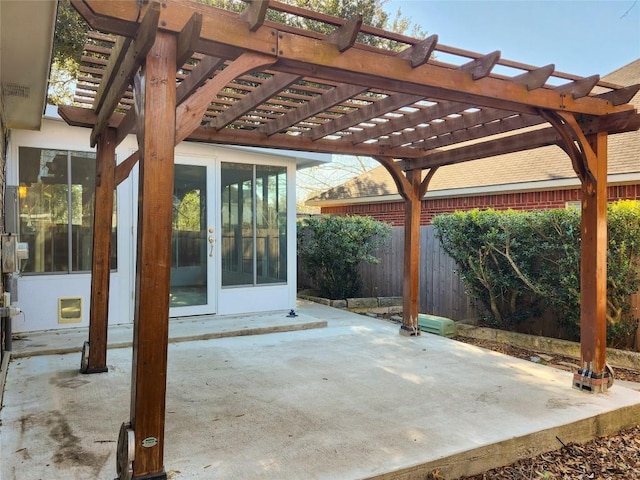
(56, 204)
(189, 237)
(271, 228)
(237, 224)
(254, 224)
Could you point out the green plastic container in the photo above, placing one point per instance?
(442, 326)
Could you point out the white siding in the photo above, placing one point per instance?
(39, 294)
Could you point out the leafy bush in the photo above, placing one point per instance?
(517, 264)
(332, 248)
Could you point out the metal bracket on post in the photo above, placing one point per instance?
(587, 381)
(407, 331)
(126, 452)
(84, 361)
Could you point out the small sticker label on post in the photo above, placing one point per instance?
(149, 442)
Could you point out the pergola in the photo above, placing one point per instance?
(181, 71)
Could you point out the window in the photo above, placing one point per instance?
(254, 224)
(56, 204)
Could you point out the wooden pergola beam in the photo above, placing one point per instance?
(188, 39)
(205, 69)
(298, 143)
(129, 64)
(379, 69)
(463, 122)
(502, 125)
(344, 37)
(420, 53)
(425, 115)
(417, 54)
(414, 157)
(621, 96)
(112, 71)
(533, 79)
(191, 111)
(254, 13)
(83, 117)
(312, 107)
(579, 88)
(356, 67)
(249, 102)
(481, 67)
(364, 114)
(520, 142)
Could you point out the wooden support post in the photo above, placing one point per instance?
(412, 188)
(94, 355)
(593, 375)
(411, 267)
(153, 267)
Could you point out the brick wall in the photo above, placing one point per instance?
(393, 212)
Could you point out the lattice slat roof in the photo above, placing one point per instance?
(330, 93)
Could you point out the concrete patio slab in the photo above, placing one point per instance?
(353, 400)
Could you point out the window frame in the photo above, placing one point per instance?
(70, 250)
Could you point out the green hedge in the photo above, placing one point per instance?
(517, 265)
(332, 248)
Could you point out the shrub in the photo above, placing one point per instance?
(516, 264)
(332, 248)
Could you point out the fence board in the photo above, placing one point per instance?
(441, 290)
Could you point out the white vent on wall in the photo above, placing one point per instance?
(16, 90)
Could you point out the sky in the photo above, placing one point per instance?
(580, 37)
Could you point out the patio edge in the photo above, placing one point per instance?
(487, 457)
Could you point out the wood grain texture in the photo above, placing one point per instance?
(101, 253)
(593, 260)
(153, 266)
(132, 57)
(411, 272)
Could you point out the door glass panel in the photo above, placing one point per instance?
(237, 224)
(271, 224)
(189, 238)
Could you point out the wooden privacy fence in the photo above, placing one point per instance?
(441, 289)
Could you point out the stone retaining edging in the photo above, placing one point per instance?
(615, 357)
(361, 304)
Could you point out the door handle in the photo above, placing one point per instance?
(211, 241)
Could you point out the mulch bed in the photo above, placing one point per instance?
(616, 456)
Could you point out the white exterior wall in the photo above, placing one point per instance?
(39, 293)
